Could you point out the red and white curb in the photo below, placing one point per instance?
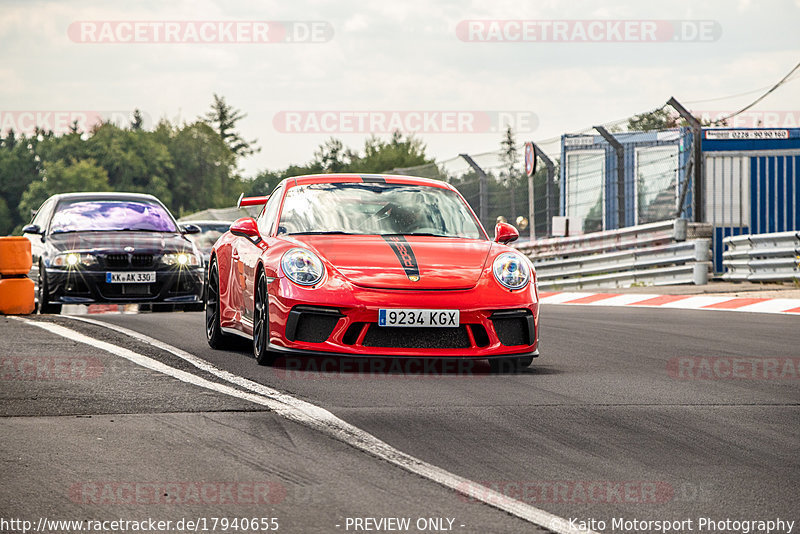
(683, 302)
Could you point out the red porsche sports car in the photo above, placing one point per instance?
(371, 265)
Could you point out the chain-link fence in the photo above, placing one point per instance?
(646, 175)
(499, 191)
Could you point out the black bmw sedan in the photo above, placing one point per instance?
(112, 248)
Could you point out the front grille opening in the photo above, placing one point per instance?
(514, 327)
(142, 260)
(416, 338)
(351, 335)
(116, 260)
(480, 335)
(311, 324)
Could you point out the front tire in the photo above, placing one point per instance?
(217, 339)
(45, 306)
(261, 324)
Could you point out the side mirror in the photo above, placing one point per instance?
(32, 229)
(190, 229)
(246, 227)
(505, 233)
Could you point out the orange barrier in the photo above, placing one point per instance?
(16, 296)
(15, 256)
(16, 289)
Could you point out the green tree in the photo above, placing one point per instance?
(203, 169)
(383, 156)
(223, 118)
(19, 167)
(137, 123)
(134, 160)
(659, 119)
(510, 156)
(332, 156)
(262, 184)
(6, 218)
(64, 177)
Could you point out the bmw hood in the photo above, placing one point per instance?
(404, 262)
(110, 242)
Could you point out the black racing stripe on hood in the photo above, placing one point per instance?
(404, 253)
(373, 179)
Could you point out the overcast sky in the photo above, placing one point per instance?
(421, 59)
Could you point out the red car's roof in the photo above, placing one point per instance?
(358, 178)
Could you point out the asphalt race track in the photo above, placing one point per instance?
(614, 420)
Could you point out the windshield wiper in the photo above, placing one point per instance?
(142, 230)
(426, 234)
(328, 232)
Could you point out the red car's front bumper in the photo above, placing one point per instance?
(343, 319)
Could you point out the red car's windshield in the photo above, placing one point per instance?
(376, 209)
(111, 215)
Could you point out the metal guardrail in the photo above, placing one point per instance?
(678, 263)
(643, 235)
(648, 254)
(771, 257)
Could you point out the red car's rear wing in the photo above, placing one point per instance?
(251, 201)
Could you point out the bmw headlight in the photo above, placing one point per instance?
(182, 259)
(72, 260)
(511, 270)
(302, 267)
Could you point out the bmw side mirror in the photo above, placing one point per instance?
(190, 229)
(32, 229)
(505, 233)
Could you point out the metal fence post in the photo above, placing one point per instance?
(483, 195)
(620, 152)
(697, 154)
(551, 173)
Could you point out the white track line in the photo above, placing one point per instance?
(620, 300)
(312, 416)
(559, 298)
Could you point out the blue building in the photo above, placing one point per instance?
(750, 180)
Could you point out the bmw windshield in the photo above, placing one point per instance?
(377, 209)
(111, 215)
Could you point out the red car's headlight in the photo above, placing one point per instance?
(302, 267)
(511, 270)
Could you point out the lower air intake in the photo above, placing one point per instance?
(416, 338)
(514, 327)
(311, 324)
